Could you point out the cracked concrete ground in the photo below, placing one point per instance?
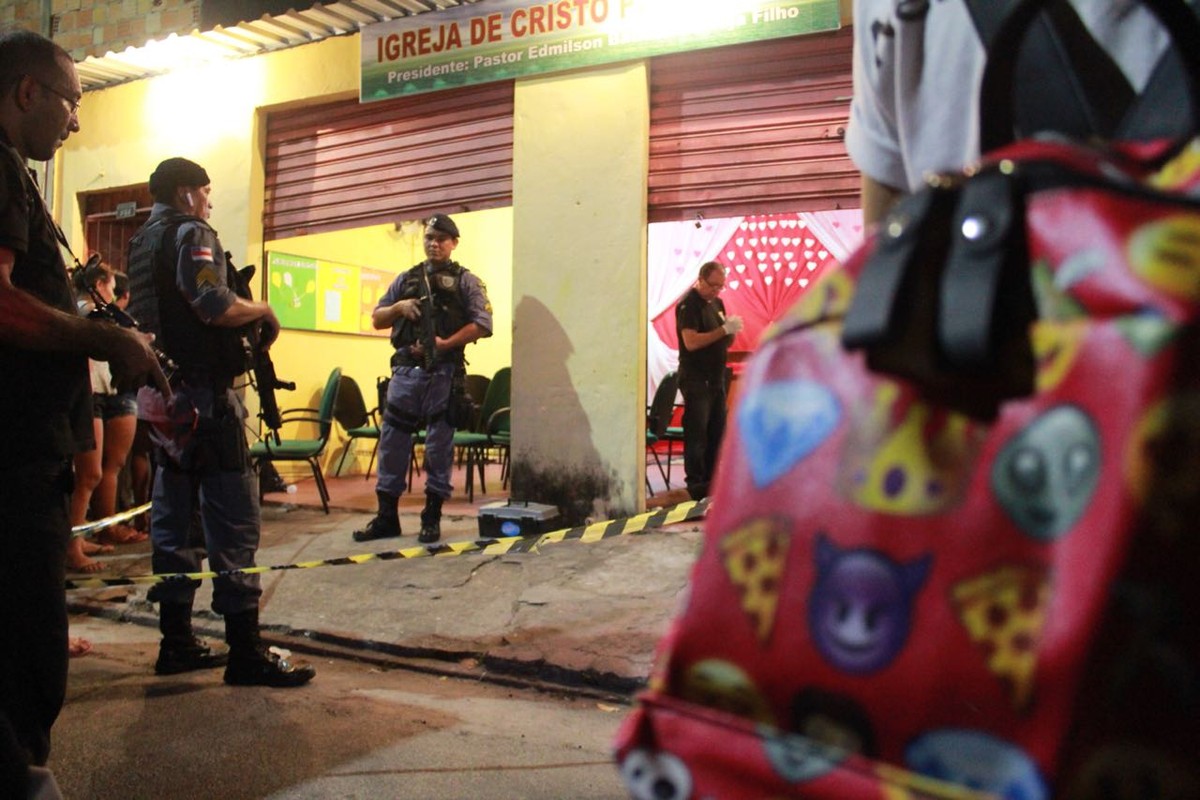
(571, 612)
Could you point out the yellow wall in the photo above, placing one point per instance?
(580, 158)
(215, 115)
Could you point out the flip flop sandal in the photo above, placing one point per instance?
(85, 569)
(95, 549)
(120, 534)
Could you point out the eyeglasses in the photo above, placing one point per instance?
(72, 103)
(716, 287)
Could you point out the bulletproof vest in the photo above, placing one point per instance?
(450, 310)
(160, 308)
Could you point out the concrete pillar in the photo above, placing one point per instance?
(580, 157)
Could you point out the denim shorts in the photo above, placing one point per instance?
(111, 406)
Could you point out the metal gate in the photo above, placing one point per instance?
(752, 128)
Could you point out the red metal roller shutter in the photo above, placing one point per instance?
(755, 128)
(347, 165)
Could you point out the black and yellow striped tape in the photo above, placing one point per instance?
(595, 532)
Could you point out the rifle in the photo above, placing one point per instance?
(428, 331)
(111, 312)
(262, 368)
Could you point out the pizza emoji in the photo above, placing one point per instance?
(755, 556)
(1004, 612)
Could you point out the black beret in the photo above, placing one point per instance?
(176, 172)
(443, 223)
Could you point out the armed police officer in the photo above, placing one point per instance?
(425, 387)
(186, 292)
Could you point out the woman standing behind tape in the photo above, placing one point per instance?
(114, 419)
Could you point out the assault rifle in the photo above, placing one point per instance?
(428, 329)
(111, 312)
(262, 368)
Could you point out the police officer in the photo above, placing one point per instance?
(44, 412)
(705, 334)
(423, 393)
(185, 291)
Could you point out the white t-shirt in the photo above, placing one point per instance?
(917, 67)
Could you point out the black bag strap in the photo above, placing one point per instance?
(1149, 115)
(1055, 94)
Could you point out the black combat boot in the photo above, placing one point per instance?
(431, 520)
(386, 522)
(180, 650)
(251, 663)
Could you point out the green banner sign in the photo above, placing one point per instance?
(502, 39)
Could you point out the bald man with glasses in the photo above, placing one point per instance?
(705, 334)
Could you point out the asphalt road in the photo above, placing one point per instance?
(357, 731)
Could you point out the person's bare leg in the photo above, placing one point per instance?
(118, 438)
(87, 476)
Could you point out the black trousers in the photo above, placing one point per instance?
(34, 529)
(703, 429)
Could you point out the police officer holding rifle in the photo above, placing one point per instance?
(184, 290)
(425, 386)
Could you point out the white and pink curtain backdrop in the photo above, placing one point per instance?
(772, 259)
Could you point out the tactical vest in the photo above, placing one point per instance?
(450, 309)
(156, 302)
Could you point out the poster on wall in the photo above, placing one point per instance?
(505, 39)
(310, 294)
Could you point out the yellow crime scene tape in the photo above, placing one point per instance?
(587, 534)
(108, 522)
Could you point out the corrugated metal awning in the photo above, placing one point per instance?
(263, 35)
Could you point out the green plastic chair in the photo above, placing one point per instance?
(658, 421)
(493, 433)
(309, 450)
(350, 410)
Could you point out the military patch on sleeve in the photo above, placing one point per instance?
(487, 301)
(201, 253)
(206, 277)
